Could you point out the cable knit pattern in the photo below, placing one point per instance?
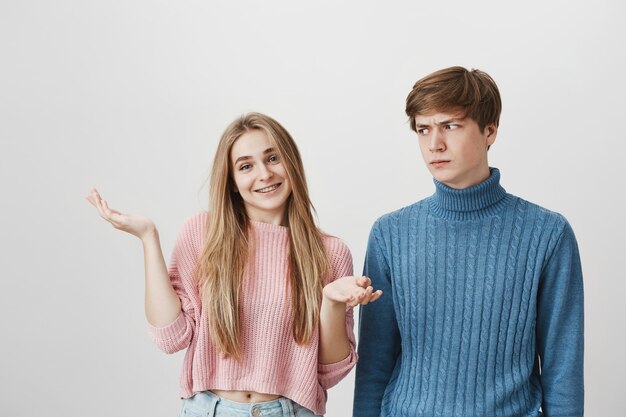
(480, 287)
(272, 361)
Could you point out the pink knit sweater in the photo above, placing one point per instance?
(272, 362)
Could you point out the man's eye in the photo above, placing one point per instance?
(422, 132)
(451, 126)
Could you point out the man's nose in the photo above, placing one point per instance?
(436, 141)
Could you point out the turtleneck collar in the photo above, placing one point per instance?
(476, 202)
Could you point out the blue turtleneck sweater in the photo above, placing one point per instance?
(482, 310)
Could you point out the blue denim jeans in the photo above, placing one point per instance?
(207, 404)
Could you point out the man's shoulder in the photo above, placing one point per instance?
(395, 218)
(552, 224)
(548, 215)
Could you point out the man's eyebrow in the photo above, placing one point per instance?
(246, 157)
(449, 121)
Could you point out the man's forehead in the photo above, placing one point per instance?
(435, 118)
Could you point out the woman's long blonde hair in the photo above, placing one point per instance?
(225, 255)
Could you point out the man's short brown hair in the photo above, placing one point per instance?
(456, 89)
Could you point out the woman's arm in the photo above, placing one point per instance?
(338, 295)
(162, 304)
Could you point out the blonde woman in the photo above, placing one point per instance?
(257, 294)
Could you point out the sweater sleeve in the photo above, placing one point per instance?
(178, 334)
(330, 374)
(560, 340)
(379, 338)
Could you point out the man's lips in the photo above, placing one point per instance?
(268, 189)
(439, 162)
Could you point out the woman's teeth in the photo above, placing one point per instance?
(268, 189)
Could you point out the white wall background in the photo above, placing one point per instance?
(132, 96)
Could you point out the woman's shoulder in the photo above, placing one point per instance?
(334, 243)
(195, 220)
(194, 227)
(337, 250)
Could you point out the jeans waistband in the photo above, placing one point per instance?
(282, 404)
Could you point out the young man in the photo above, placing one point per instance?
(482, 306)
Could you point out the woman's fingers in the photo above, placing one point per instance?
(371, 296)
(98, 204)
(364, 282)
(376, 295)
(116, 218)
(92, 197)
(108, 214)
(95, 195)
(95, 199)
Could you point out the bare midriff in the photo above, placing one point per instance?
(245, 396)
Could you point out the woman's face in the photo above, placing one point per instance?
(260, 177)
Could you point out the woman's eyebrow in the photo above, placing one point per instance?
(246, 157)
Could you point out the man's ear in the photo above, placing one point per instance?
(492, 131)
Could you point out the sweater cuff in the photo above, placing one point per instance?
(171, 333)
(331, 373)
(324, 368)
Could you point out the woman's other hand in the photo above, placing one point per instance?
(351, 291)
(135, 224)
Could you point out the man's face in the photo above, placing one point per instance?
(454, 149)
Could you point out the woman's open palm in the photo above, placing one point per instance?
(352, 291)
(134, 224)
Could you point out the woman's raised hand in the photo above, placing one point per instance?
(352, 291)
(134, 224)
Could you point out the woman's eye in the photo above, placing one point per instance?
(273, 158)
(245, 167)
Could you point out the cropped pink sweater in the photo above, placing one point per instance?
(272, 362)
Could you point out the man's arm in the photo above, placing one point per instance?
(379, 338)
(560, 321)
